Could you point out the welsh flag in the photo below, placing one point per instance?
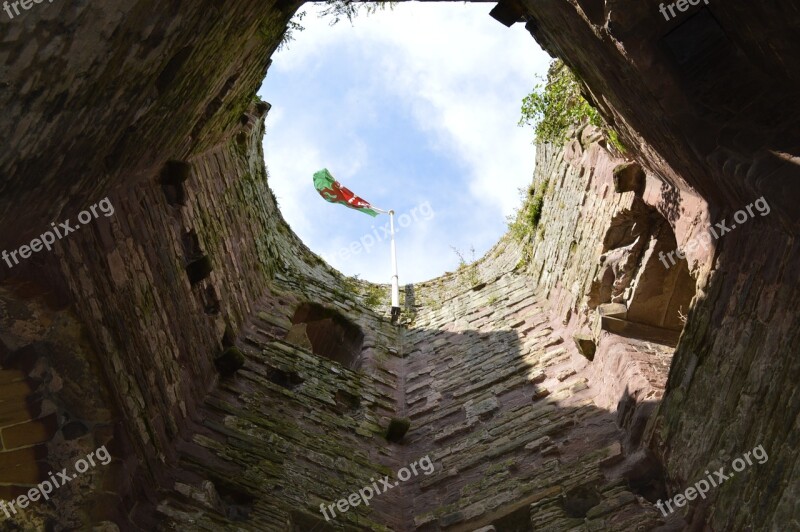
(332, 191)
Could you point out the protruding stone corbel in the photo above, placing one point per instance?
(508, 12)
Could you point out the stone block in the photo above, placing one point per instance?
(25, 473)
(540, 393)
(481, 408)
(451, 519)
(581, 385)
(629, 177)
(614, 310)
(31, 433)
(585, 344)
(536, 376)
(19, 410)
(550, 450)
(508, 12)
(421, 520)
(12, 459)
(538, 443)
(641, 331)
(16, 389)
(566, 374)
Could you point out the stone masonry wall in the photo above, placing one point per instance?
(706, 102)
(101, 94)
(292, 430)
(477, 366)
(108, 341)
(577, 211)
(47, 420)
(733, 384)
(127, 280)
(130, 285)
(502, 404)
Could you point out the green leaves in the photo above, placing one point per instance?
(557, 106)
(349, 9)
(523, 223)
(525, 220)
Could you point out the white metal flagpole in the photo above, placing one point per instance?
(395, 282)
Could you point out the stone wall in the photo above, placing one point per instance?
(503, 405)
(704, 101)
(112, 340)
(291, 430)
(573, 251)
(47, 418)
(101, 94)
(732, 385)
(578, 207)
(126, 279)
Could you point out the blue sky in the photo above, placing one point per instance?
(415, 110)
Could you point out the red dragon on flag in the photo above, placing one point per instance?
(332, 191)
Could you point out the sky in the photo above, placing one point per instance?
(413, 109)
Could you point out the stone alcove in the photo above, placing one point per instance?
(326, 333)
(638, 292)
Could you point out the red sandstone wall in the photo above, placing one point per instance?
(721, 130)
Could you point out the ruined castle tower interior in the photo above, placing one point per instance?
(190, 364)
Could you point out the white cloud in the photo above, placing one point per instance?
(458, 74)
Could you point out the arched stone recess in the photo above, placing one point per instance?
(327, 333)
(643, 289)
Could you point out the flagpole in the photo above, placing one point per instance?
(395, 282)
(332, 191)
(395, 278)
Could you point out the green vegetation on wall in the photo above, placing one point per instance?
(523, 223)
(467, 270)
(525, 220)
(375, 295)
(556, 107)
